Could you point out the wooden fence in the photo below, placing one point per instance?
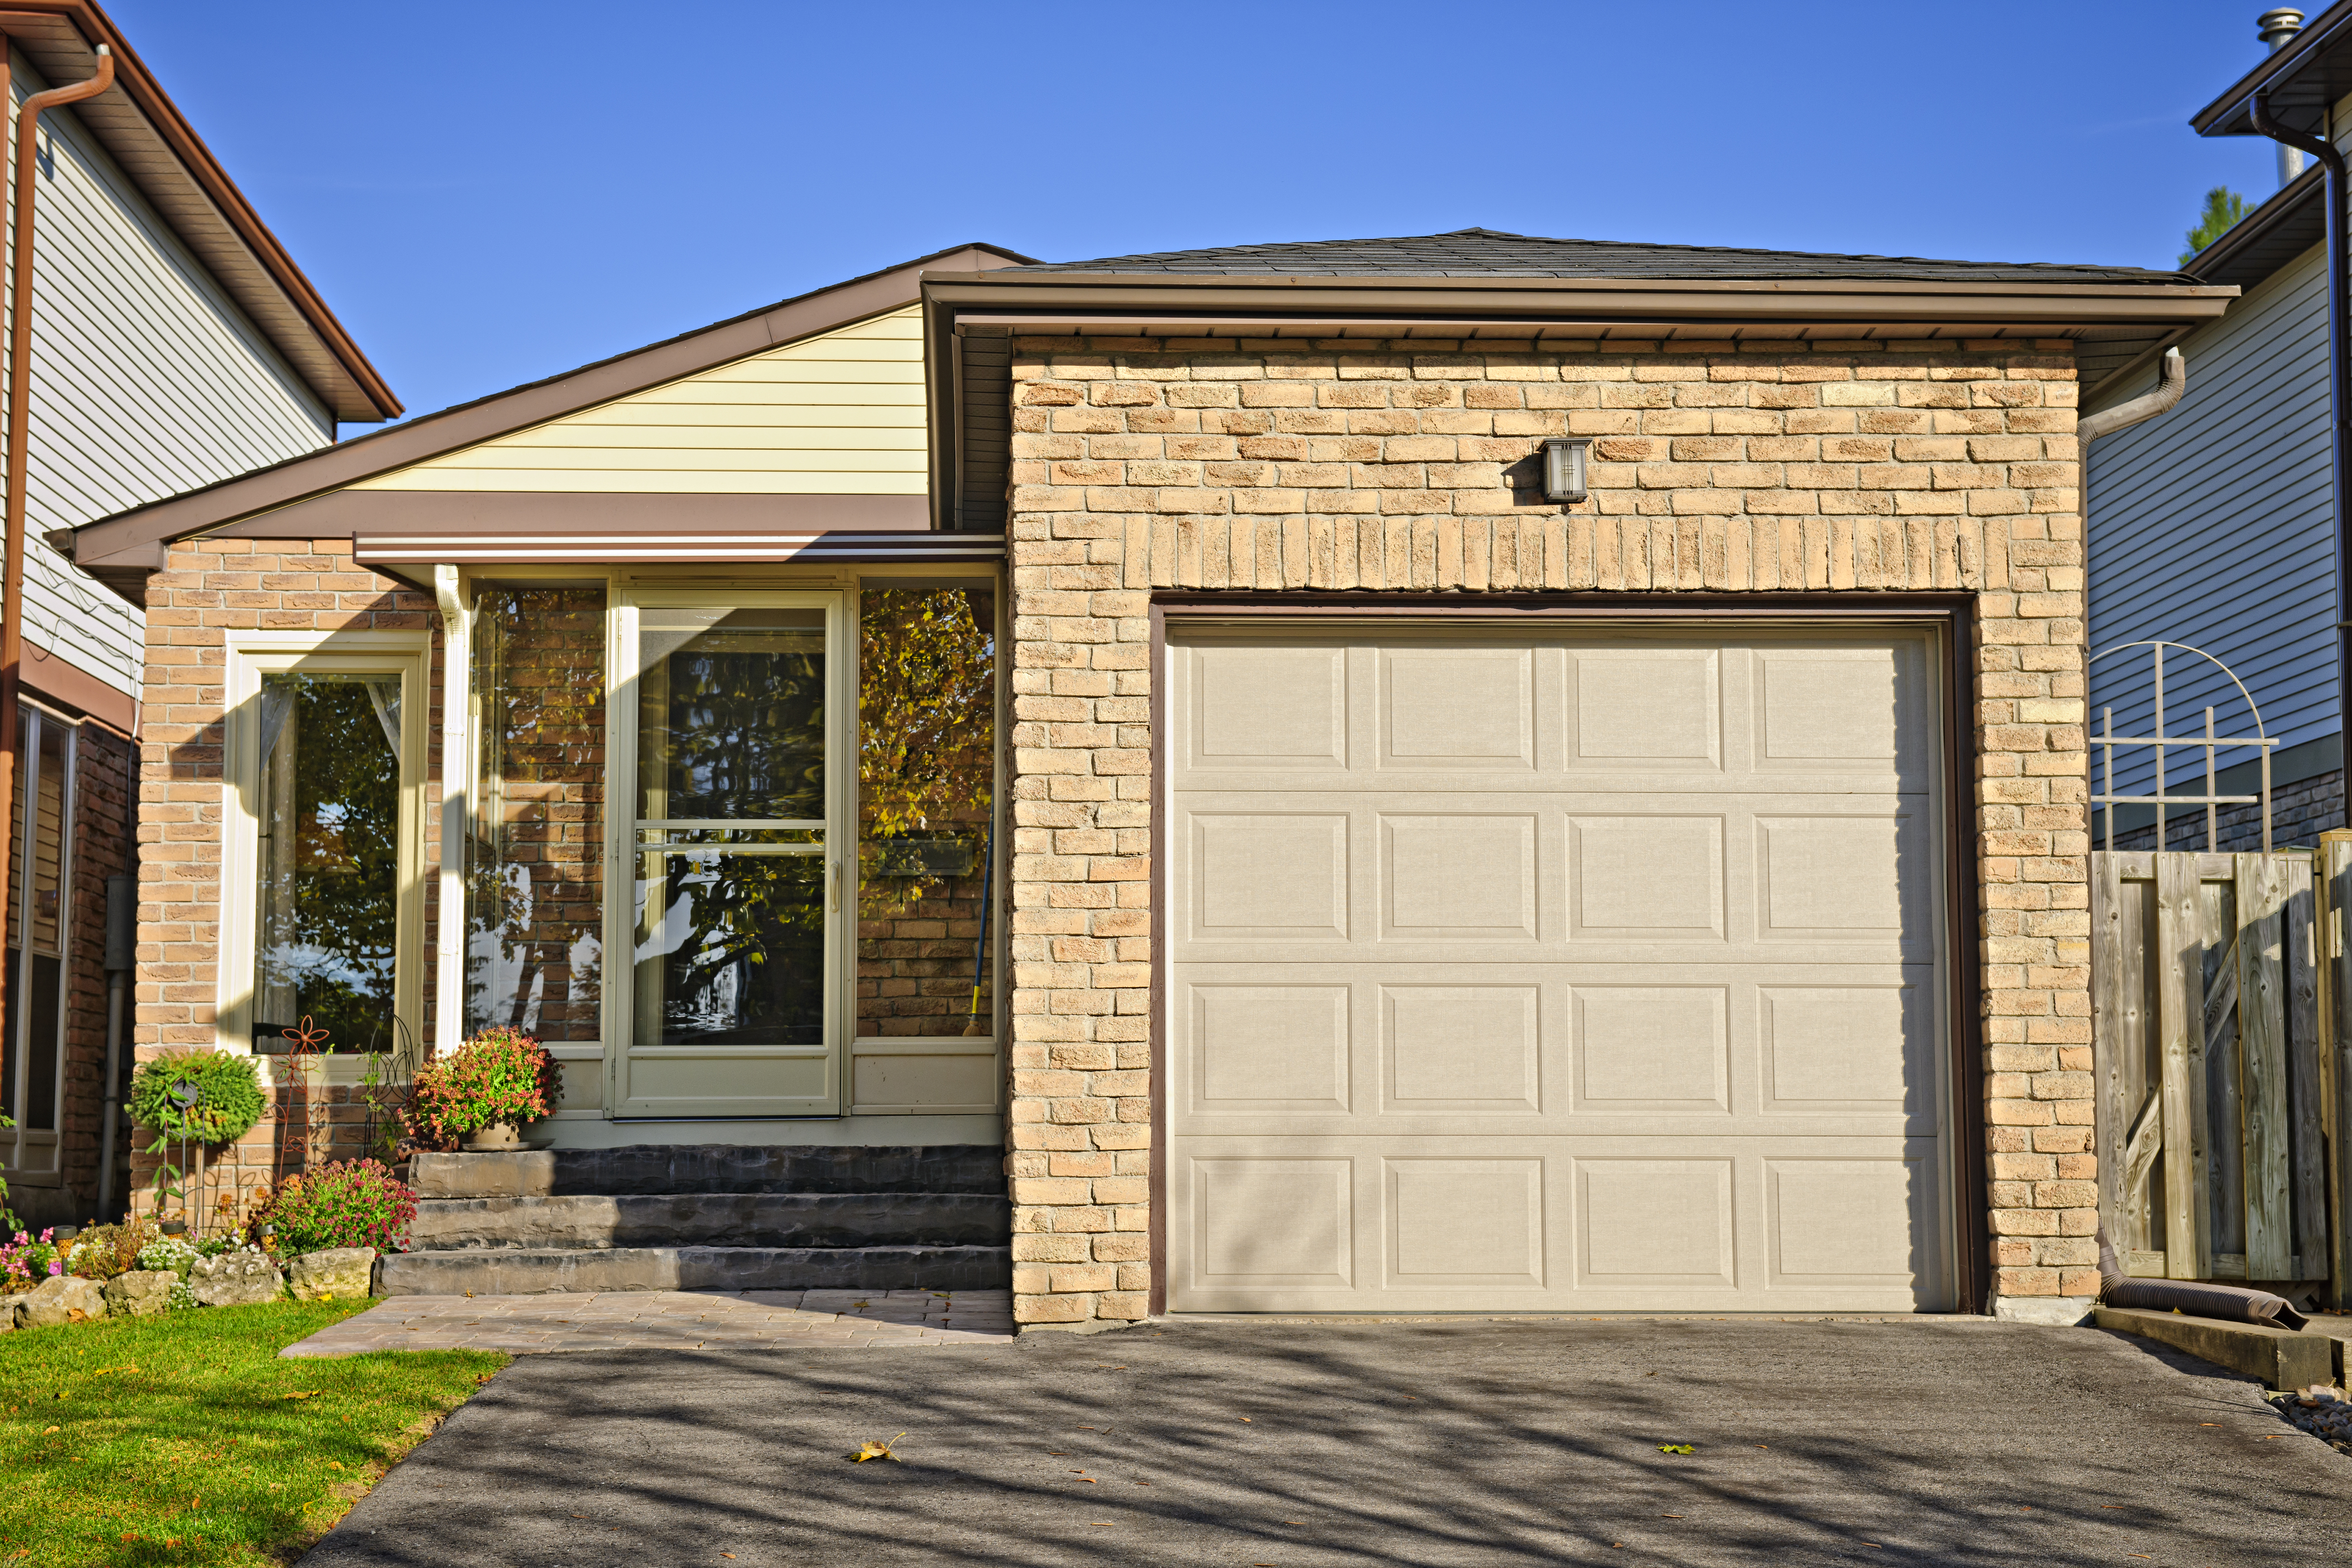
(2219, 988)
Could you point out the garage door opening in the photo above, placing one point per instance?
(1572, 968)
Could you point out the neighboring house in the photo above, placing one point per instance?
(174, 343)
(1429, 877)
(2213, 525)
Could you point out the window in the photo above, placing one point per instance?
(927, 775)
(322, 917)
(327, 861)
(535, 941)
(32, 1031)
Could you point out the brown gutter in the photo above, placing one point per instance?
(20, 395)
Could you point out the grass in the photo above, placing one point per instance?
(183, 1439)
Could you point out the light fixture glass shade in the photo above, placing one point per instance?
(1564, 468)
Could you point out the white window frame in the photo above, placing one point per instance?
(253, 654)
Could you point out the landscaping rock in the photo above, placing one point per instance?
(234, 1279)
(64, 1299)
(142, 1293)
(337, 1271)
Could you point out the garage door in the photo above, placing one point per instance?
(1588, 970)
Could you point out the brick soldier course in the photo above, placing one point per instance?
(1142, 464)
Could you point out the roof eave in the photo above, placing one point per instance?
(132, 541)
(2302, 81)
(1596, 299)
(60, 37)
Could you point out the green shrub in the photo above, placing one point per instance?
(351, 1203)
(500, 1075)
(205, 1096)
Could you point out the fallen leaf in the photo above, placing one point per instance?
(870, 1450)
(46, 1432)
(1676, 1449)
(302, 1393)
(1244, 1418)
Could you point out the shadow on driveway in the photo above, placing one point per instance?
(1483, 1442)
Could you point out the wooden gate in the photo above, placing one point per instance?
(2219, 1093)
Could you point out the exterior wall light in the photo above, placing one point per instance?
(1563, 468)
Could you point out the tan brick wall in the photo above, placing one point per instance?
(1143, 463)
(206, 588)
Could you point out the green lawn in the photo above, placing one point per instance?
(183, 1439)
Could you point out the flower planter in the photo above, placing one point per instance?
(495, 1139)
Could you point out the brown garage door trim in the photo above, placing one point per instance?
(1953, 615)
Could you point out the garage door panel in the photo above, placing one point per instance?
(1457, 709)
(1462, 1226)
(1282, 707)
(1588, 972)
(1269, 875)
(1270, 1050)
(1460, 876)
(1475, 1050)
(1654, 709)
(1655, 875)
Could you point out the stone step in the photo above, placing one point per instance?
(648, 1169)
(541, 1270)
(712, 1219)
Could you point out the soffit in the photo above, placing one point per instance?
(143, 130)
(2300, 81)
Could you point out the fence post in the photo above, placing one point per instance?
(2335, 948)
(2180, 955)
(2261, 1044)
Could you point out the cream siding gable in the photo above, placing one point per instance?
(839, 414)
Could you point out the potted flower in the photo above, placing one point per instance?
(483, 1091)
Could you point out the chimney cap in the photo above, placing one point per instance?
(2279, 25)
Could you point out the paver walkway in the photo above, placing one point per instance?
(670, 1320)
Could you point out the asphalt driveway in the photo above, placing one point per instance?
(1950, 1441)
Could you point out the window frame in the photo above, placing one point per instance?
(35, 716)
(253, 654)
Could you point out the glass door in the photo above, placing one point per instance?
(734, 890)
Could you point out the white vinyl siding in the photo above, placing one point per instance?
(840, 414)
(2209, 525)
(147, 382)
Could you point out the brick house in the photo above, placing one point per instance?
(1530, 773)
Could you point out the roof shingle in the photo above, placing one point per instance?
(1488, 253)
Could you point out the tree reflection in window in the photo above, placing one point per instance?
(926, 770)
(327, 914)
(732, 718)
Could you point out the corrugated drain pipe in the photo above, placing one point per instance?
(2339, 403)
(20, 394)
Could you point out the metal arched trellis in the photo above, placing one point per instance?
(2107, 741)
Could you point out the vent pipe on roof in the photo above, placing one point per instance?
(2278, 29)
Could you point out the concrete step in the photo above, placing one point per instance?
(648, 1169)
(2281, 1358)
(712, 1219)
(536, 1271)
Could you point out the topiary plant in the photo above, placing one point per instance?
(193, 1097)
(204, 1096)
(501, 1075)
(351, 1203)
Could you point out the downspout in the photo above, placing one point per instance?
(2171, 381)
(20, 394)
(2340, 401)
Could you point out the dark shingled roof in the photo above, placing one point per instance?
(1487, 253)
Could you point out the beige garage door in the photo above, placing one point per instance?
(1587, 970)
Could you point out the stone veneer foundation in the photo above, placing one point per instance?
(1254, 465)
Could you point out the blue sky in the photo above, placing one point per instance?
(490, 192)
